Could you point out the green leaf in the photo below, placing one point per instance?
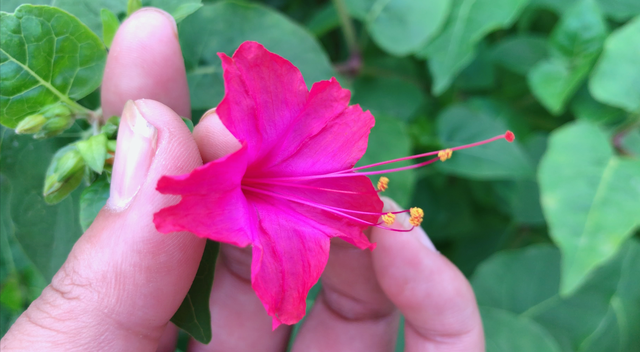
(447, 205)
(189, 123)
(616, 78)
(110, 25)
(89, 11)
(479, 75)
(584, 107)
(389, 96)
(523, 200)
(388, 140)
(455, 47)
(324, 20)
(603, 315)
(468, 123)
(223, 26)
(194, 316)
(12, 5)
(620, 10)
(400, 27)
(181, 12)
(46, 56)
(518, 280)
(45, 232)
(92, 199)
(631, 142)
(133, 6)
(519, 53)
(558, 6)
(179, 9)
(359, 8)
(590, 197)
(507, 332)
(574, 46)
(10, 295)
(94, 151)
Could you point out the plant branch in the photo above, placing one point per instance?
(347, 27)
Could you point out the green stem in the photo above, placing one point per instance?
(347, 27)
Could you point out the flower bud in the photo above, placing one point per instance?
(54, 127)
(31, 124)
(58, 118)
(64, 174)
(110, 128)
(56, 110)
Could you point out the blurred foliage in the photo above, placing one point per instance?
(546, 227)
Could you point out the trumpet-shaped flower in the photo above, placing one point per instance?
(292, 186)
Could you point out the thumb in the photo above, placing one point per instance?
(123, 280)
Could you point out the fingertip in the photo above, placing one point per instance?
(145, 61)
(430, 291)
(213, 139)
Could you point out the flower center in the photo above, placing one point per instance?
(264, 186)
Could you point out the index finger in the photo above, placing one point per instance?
(434, 296)
(145, 62)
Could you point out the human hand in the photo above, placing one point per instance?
(123, 280)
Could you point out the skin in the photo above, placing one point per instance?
(123, 280)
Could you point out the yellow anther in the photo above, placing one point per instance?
(416, 216)
(445, 154)
(383, 184)
(389, 218)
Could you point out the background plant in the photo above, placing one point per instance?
(546, 228)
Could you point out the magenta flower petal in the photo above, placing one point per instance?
(213, 205)
(288, 258)
(264, 95)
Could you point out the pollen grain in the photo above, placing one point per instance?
(417, 215)
(389, 218)
(383, 184)
(445, 154)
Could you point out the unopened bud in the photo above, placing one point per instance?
(56, 110)
(64, 174)
(31, 124)
(54, 127)
(110, 128)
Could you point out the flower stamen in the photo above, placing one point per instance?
(383, 184)
(417, 215)
(445, 154)
(389, 218)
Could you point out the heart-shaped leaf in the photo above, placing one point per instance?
(590, 198)
(223, 26)
(194, 316)
(455, 47)
(574, 46)
(46, 56)
(402, 26)
(615, 79)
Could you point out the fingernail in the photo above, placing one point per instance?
(403, 221)
(135, 150)
(210, 112)
(174, 25)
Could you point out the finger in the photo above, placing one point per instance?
(145, 62)
(238, 318)
(123, 280)
(351, 303)
(169, 339)
(435, 298)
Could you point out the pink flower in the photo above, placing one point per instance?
(291, 187)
